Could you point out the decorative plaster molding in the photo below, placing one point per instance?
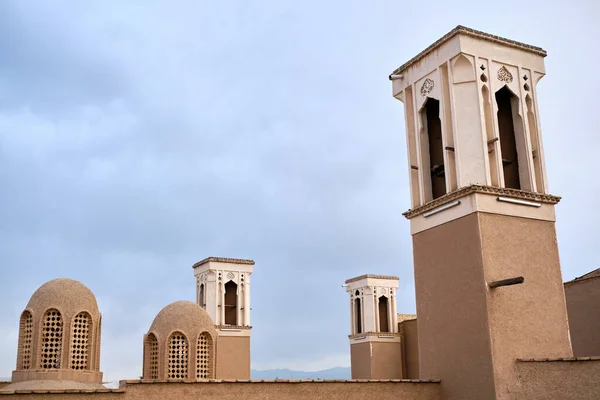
(243, 327)
(360, 335)
(504, 75)
(427, 87)
(517, 194)
(473, 33)
(358, 278)
(224, 260)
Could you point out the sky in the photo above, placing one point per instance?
(139, 137)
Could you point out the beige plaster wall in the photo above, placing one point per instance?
(410, 346)
(583, 306)
(563, 380)
(342, 390)
(360, 359)
(454, 343)
(233, 357)
(527, 320)
(386, 362)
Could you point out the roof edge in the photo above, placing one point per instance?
(372, 276)
(224, 260)
(460, 29)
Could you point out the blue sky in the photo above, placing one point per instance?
(139, 137)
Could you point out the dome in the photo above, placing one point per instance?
(67, 295)
(59, 338)
(184, 316)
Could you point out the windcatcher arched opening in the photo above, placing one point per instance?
(383, 315)
(358, 313)
(81, 342)
(204, 356)
(25, 341)
(178, 356)
(51, 340)
(201, 299)
(151, 357)
(433, 128)
(508, 142)
(231, 303)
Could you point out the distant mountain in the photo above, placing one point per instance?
(331, 373)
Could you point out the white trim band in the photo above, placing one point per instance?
(441, 208)
(518, 201)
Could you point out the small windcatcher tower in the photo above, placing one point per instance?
(375, 349)
(223, 290)
(487, 272)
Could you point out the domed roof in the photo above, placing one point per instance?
(184, 316)
(66, 295)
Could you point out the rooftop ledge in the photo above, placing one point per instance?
(560, 359)
(224, 260)
(59, 391)
(325, 381)
(473, 33)
(514, 193)
(372, 276)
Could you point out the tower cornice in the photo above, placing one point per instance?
(462, 192)
(473, 33)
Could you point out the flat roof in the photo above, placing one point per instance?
(224, 260)
(474, 33)
(358, 278)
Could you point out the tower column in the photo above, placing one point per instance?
(373, 355)
(238, 307)
(495, 225)
(247, 303)
(222, 301)
(233, 341)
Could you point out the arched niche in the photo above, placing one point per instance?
(463, 70)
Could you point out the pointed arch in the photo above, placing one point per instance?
(24, 353)
(508, 139)
(463, 70)
(51, 340)
(202, 297)
(432, 147)
(383, 314)
(81, 342)
(151, 357)
(231, 301)
(204, 356)
(358, 313)
(178, 356)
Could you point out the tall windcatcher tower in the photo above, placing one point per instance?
(487, 273)
(223, 290)
(375, 349)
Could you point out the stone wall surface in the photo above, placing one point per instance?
(583, 306)
(330, 390)
(563, 379)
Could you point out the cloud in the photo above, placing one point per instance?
(137, 138)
